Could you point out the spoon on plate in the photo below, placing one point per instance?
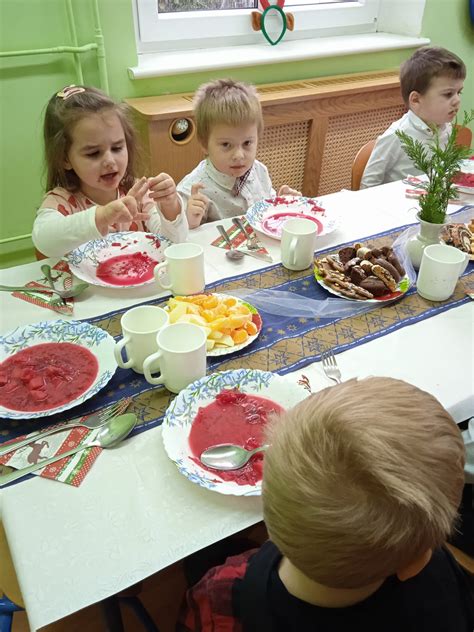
(233, 253)
(228, 456)
(109, 435)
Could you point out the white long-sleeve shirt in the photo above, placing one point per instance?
(67, 220)
(388, 161)
(218, 188)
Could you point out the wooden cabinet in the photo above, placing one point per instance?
(313, 128)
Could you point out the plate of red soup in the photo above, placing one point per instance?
(119, 260)
(51, 366)
(221, 408)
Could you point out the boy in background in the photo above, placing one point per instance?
(361, 487)
(229, 122)
(431, 83)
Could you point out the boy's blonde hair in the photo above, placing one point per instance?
(361, 479)
(426, 63)
(61, 115)
(227, 102)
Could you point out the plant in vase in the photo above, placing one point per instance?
(440, 164)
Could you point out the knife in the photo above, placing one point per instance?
(255, 253)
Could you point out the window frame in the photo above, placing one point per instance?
(183, 31)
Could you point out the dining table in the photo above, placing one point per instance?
(135, 513)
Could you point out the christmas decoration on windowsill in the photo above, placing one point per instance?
(258, 19)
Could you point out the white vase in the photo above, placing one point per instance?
(427, 235)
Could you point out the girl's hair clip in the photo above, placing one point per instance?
(68, 91)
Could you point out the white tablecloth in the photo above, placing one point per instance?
(135, 514)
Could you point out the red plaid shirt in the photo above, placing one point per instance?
(209, 606)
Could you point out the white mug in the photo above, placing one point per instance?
(139, 327)
(297, 243)
(184, 267)
(440, 269)
(181, 356)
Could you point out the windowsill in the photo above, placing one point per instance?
(188, 61)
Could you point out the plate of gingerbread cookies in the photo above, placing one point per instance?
(460, 236)
(363, 273)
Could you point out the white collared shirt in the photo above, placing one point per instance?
(218, 188)
(388, 161)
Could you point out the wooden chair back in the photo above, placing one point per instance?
(464, 136)
(358, 166)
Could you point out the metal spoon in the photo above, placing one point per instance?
(46, 270)
(233, 253)
(112, 433)
(228, 456)
(75, 290)
(250, 237)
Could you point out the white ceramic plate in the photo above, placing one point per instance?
(83, 261)
(402, 288)
(256, 319)
(268, 216)
(183, 410)
(98, 341)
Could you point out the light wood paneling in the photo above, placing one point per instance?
(313, 128)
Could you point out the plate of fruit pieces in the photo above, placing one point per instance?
(460, 236)
(229, 322)
(269, 215)
(119, 260)
(51, 366)
(221, 408)
(464, 179)
(363, 273)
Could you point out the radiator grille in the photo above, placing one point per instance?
(283, 149)
(345, 136)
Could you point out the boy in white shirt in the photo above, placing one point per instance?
(431, 82)
(229, 122)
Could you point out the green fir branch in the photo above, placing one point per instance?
(440, 165)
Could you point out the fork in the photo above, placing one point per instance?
(251, 239)
(94, 421)
(330, 367)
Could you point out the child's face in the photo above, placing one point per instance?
(440, 103)
(232, 149)
(98, 155)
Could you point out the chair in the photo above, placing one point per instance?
(39, 255)
(463, 559)
(358, 166)
(464, 136)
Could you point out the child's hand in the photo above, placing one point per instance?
(125, 209)
(162, 189)
(197, 205)
(286, 190)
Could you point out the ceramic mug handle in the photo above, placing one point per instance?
(147, 366)
(118, 353)
(159, 272)
(464, 263)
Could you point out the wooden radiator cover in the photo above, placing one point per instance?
(313, 128)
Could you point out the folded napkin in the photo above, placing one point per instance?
(237, 238)
(63, 280)
(71, 470)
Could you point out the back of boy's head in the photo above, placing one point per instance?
(64, 110)
(226, 102)
(426, 63)
(361, 479)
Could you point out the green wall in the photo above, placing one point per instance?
(26, 84)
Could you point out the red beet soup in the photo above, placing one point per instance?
(46, 376)
(238, 418)
(127, 269)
